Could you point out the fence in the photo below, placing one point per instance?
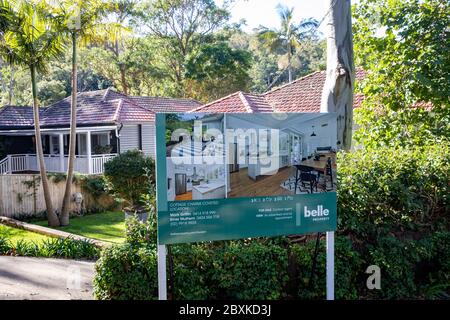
(21, 196)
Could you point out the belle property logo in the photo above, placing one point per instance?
(317, 214)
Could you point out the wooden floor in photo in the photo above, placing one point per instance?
(184, 196)
(243, 186)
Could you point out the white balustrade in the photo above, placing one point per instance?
(29, 162)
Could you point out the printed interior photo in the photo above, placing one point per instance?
(195, 157)
(280, 154)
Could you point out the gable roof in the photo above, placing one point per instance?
(95, 108)
(237, 102)
(301, 95)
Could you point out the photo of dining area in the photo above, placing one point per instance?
(301, 155)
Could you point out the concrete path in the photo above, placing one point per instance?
(24, 278)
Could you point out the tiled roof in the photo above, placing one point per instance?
(95, 107)
(237, 102)
(130, 112)
(161, 104)
(301, 95)
(16, 116)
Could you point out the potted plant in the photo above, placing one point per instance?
(130, 176)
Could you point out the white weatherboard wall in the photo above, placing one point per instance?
(149, 139)
(129, 137)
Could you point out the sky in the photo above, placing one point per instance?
(263, 12)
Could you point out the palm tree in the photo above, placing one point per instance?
(29, 40)
(286, 39)
(77, 19)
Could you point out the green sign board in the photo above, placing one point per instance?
(231, 176)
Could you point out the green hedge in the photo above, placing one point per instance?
(393, 190)
(125, 272)
(258, 269)
(393, 209)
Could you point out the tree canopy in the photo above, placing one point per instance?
(404, 47)
(154, 47)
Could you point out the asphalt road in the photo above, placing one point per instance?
(24, 278)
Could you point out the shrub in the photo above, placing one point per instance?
(394, 190)
(139, 233)
(124, 272)
(95, 185)
(251, 270)
(193, 268)
(348, 270)
(129, 175)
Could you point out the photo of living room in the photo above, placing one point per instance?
(195, 157)
(280, 154)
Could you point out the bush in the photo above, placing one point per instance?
(193, 269)
(393, 190)
(251, 270)
(124, 272)
(140, 233)
(130, 175)
(348, 270)
(50, 248)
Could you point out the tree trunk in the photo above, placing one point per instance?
(337, 95)
(53, 219)
(11, 86)
(65, 210)
(289, 62)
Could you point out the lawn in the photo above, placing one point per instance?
(15, 234)
(107, 226)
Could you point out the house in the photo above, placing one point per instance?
(108, 123)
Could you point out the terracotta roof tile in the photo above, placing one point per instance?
(131, 112)
(301, 95)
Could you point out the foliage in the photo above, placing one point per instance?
(95, 185)
(394, 190)
(50, 248)
(130, 175)
(172, 23)
(349, 270)
(139, 233)
(411, 269)
(286, 40)
(217, 70)
(124, 272)
(251, 271)
(193, 267)
(404, 47)
(54, 85)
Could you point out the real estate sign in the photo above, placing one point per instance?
(227, 176)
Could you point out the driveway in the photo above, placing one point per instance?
(23, 278)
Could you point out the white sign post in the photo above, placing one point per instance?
(162, 276)
(330, 265)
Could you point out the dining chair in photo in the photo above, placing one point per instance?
(290, 182)
(306, 177)
(328, 176)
